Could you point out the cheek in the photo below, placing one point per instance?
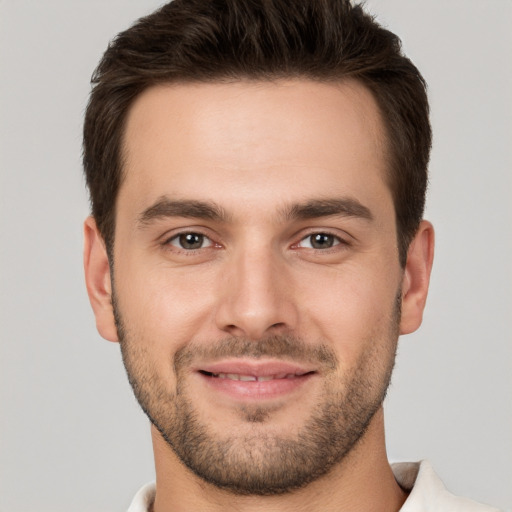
(160, 315)
(165, 305)
(352, 308)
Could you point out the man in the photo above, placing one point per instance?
(257, 174)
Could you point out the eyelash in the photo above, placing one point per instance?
(177, 237)
(339, 242)
(336, 241)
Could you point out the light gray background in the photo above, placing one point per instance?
(71, 435)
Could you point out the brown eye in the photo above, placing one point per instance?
(190, 241)
(319, 241)
(322, 241)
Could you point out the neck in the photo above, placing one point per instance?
(363, 481)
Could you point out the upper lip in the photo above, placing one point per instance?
(255, 368)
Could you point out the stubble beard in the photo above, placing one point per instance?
(257, 460)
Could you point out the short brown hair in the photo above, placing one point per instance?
(226, 40)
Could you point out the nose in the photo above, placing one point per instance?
(256, 295)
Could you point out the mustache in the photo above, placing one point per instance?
(284, 347)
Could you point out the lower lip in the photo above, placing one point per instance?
(255, 390)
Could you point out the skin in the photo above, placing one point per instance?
(256, 150)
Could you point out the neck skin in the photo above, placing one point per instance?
(363, 482)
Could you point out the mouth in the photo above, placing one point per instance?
(254, 378)
(249, 380)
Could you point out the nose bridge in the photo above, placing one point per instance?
(255, 297)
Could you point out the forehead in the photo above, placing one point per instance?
(251, 136)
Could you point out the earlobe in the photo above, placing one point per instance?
(416, 278)
(97, 279)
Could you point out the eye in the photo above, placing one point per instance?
(190, 241)
(319, 241)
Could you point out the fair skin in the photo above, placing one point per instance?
(252, 210)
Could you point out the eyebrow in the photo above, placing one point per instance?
(165, 207)
(344, 207)
(190, 208)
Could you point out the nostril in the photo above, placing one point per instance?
(278, 325)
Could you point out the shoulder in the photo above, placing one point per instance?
(428, 493)
(144, 498)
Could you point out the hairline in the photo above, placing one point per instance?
(384, 138)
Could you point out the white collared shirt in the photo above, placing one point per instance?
(427, 492)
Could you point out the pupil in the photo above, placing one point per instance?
(322, 241)
(191, 241)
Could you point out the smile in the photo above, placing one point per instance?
(253, 378)
(243, 380)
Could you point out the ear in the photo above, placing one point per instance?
(97, 279)
(417, 278)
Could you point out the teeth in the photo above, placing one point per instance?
(253, 378)
(248, 378)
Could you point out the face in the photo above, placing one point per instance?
(256, 284)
